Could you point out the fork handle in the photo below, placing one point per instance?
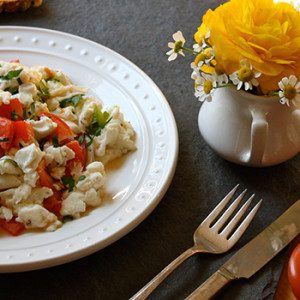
(160, 277)
(210, 288)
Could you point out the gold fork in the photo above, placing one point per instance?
(209, 237)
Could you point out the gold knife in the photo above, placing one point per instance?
(254, 255)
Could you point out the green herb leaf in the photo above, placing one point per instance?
(69, 182)
(81, 139)
(82, 177)
(55, 141)
(14, 116)
(24, 114)
(32, 111)
(43, 88)
(4, 139)
(11, 74)
(101, 118)
(53, 79)
(74, 100)
(99, 121)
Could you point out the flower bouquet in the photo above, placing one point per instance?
(252, 47)
(251, 44)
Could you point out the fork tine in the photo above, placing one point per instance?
(229, 211)
(244, 225)
(228, 229)
(212, 216)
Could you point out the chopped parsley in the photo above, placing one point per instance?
(53, 79)
(14, 116)
(4, 139)
(69, 182)
(24, 114)
(74, 100)
(55, 141)
(82, 177)
(43, 89)
(11, 75)
(32, 110)
(99, 121)
(81, 139)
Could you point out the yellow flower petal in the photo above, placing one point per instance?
(265, 33)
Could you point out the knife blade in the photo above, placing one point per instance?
(254, 255)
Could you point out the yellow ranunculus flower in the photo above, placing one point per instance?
(265, 33)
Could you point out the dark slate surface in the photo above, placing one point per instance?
(139, 30)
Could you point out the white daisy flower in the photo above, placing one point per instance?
(205, 87)
(198, 66)
(197, 48)
(198, 62)
(245, 76)
(221, 79)
(209, 55)
(176, 48)
(204, 40)
(289, 90)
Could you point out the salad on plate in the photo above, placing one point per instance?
(55, 141)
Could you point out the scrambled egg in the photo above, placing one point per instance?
(55, 142)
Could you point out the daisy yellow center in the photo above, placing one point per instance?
(199, 57)
(289, 92)
(207, 86)
(207, 53)
(245, 74)
(178, 46)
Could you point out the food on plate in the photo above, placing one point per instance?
(16, 5)
(55, 141)
(294, 271)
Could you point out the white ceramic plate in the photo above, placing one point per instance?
(137, 185)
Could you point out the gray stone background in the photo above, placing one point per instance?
(140, 30)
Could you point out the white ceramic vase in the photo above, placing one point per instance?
(250, 130)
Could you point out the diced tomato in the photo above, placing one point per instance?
(49, 72)
(15, 106)
(80, 156)
(44, 178)
(12, 227)
(53, 203)
(6, 132)
(23, 131)
(80, 151)
(63, 132)
(15, 61)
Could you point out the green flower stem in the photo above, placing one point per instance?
(188, 50)
(226, 85)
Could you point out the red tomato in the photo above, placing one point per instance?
(23, 131)
(15, 61)
(6, 131)
(15, 106)
(44, 178)
(13, 227)
(53, 203)
(80, 156)
(62, 131)
(294, 271)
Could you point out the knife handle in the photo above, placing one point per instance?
(210, 287)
